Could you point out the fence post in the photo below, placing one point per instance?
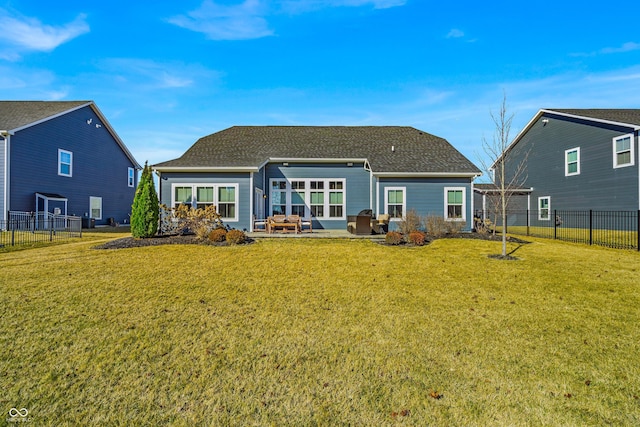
(528, 220)
(590, 227)
(555, 224)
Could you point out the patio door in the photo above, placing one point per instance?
(258, 204)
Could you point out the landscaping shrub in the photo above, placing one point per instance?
(393, 238)
(218, 235)
(410, 223)
(182, 219)
(236, 237)
(145, 209)
(418, 238)
(437, 226)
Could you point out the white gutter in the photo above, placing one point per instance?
(428, 174)
(207, 169)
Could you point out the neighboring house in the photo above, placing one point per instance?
(577, 160)
(321, 172)
(63, 157)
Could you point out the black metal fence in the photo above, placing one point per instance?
(29, 230)
(614, 229)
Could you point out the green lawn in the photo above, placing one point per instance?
(321, 332)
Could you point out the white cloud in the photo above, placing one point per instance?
(19, 33)
(626, 47)
(148, 74)
(302, 6)
(455, 33)
(220, 22)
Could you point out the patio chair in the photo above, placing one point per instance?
(381, 224)
(260, 224)
(306, 223)
(295, 219)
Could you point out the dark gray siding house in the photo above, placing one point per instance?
(63, 157)
(578, 160)
(323, 173)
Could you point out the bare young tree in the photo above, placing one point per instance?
(506, 181)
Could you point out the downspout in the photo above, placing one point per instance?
(252, 195)
(5, 193)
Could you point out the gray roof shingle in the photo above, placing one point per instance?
(627, 116)
(16, 114)
(414, 151)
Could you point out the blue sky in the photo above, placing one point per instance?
(166, 73)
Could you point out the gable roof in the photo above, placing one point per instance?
(625, 117)
(387, 149)
(15, 115)
(18, 115)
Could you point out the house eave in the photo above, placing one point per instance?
(227, 169)
(315, 160)
(427, 174)
(592, 119)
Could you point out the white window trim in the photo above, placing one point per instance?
(632, 151)
(566, 161)
(464, 203)
(91, 199)
(61, 151)
(404, 201)
(215, 186)
(548, 218)
(307, 196)
(131, 177)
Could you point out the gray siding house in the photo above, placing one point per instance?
(323, 173)
(63, 157)
(577, 160)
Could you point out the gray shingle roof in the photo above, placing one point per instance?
(414, 151)
(627, 116)
(16, 114)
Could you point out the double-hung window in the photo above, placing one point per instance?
(544, 208)
(278, 197)
(455, 203)
(131, 180)
(317, 199)
(572, 162)
(623, 151)
(223, 196)
(95, 205)
(298, 197)
(336, 199)
(227, 201)
(395, 202)
(65, 163)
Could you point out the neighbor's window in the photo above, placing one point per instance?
(544, 206)
(455, 203)
(572, 162)
(623, 154)
(65, 163)
(131, 180)
(395, 202)
(95, 205)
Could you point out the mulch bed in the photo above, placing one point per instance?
(190, 239)
(187, 239)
